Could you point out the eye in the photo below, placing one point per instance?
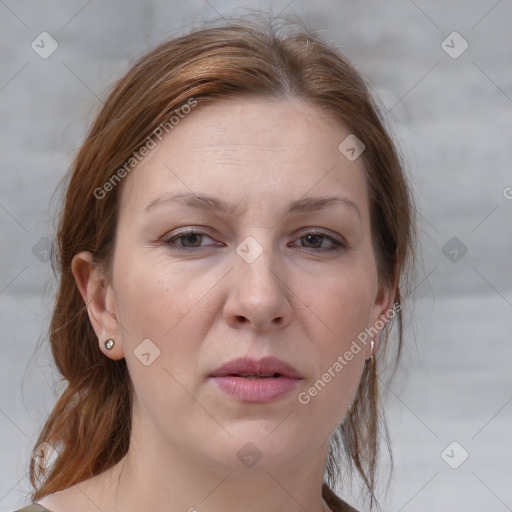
(190, 239)
(316, 239)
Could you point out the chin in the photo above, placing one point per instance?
(259, 445)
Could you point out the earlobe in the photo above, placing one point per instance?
(98, 296)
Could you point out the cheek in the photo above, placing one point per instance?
(157, 295)
(155, 303)
(342, 309)
(158, 308)
(341, 304)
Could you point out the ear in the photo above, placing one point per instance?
(98, 295)
(382, 311)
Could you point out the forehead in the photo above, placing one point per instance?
(249, 151)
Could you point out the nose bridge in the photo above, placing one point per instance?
(258, 291)
(257, 264)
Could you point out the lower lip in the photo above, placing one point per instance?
(256, 390)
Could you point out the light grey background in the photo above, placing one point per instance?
(452, 117)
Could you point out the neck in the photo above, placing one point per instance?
(159, 476)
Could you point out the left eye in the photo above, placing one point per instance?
(317, 240)
(192, 239)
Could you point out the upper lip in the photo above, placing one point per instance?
(248, 366)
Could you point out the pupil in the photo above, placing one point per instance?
(309, 237)
(192, 235)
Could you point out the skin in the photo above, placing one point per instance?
(204, 307)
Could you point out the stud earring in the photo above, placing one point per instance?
(109, 344)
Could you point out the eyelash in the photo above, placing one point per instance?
(169, 241)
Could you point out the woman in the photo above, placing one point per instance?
(232, 249)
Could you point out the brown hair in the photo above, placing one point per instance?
(91, 422)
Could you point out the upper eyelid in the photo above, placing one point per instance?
(185, 232)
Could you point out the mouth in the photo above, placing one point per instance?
(256, 381)
(266, 368)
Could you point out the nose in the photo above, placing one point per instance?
(259, 296)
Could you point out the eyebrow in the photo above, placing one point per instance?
(206, 202)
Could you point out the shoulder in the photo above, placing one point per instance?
(335, 504)
(34, 507)
(333, 501)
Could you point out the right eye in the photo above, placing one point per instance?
(188, 238)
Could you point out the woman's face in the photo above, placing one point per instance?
(274, 274)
